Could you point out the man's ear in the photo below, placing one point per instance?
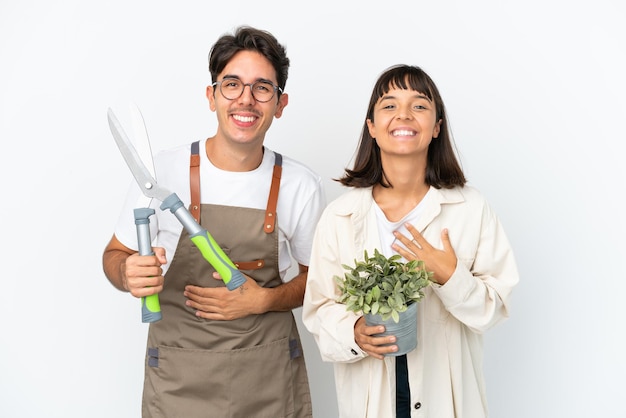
(210, 94)
(283, 101)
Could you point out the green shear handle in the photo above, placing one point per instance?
(201, 238)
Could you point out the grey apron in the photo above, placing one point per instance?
(246, 368)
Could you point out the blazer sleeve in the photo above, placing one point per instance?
(478, 294)
(331, 325)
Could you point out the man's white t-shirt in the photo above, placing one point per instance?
(301, 201)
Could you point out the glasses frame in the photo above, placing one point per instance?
(275, 87)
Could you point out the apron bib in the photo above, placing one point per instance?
(246, 368)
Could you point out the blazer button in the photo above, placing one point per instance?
(418, 405)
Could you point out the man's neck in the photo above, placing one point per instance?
(245, 157)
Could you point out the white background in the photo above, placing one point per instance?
(536, 96)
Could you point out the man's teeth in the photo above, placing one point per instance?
(244, 118)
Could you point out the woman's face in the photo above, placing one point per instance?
(404, 122)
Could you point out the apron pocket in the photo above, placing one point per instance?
(244, 383)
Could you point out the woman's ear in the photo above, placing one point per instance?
(437, 129)
(371, 128)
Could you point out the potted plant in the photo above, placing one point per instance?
(386, 290)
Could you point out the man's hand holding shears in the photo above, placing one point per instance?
(142, 275)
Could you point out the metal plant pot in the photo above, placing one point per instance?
(405, 330)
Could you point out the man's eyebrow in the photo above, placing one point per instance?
(236, 77)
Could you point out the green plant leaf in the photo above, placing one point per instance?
(395, 315)
(375, 308)
(376, 292)
(384, 309)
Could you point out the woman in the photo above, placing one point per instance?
(409, 196)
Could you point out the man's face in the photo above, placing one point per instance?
(245, 120)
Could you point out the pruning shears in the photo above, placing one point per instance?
(201, 238)
(150, 306)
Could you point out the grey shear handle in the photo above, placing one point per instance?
(150, 306)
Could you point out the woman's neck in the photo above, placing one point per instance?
(408, 188)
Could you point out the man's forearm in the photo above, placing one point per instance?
(113, 264)
(288, 295)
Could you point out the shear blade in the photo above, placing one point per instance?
(143, 177)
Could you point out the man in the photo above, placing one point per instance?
(216, 352)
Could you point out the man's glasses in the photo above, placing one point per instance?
(262, 91)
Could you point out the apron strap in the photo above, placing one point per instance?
(194, 181)
(270, 211)
(272, 201)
